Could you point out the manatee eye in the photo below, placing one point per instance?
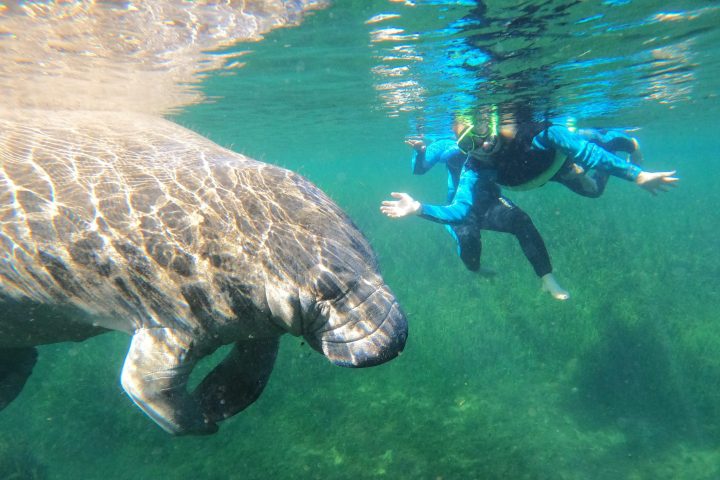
(329, 287)
(323, 308)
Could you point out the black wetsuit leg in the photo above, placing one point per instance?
(591, 184)
(469, 241)
(609, 140)
(467, 233)
(504, 216)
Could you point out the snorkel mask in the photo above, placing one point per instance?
(471, 141)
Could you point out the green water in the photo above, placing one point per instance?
(498, 381)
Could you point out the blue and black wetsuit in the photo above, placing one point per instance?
(475, 204)
(537, 147)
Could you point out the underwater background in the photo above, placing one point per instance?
(498, 380)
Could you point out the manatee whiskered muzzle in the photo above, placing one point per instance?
(365, 334)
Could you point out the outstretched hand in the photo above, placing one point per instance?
(417, 145)
(404, 205)
(656, 181)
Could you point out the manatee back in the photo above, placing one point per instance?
(134, 220)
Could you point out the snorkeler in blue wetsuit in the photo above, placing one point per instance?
(528, 155)
(487, 209)
(525, 156)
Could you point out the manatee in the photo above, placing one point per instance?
(120, 221)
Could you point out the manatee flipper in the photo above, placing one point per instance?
(16, 365)
(155, 376)
(238, 380)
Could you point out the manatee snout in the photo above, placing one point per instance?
(381, 345)
(366, 327)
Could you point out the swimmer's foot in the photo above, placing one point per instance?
(550, 285)
(636, 155)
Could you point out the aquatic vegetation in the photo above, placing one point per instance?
(18, 462)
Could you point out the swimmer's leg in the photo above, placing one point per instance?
(600, 179)
(469, 248)
(469, 244)
(504, 216)
(588, 184)
(614, 141)
(636, 155)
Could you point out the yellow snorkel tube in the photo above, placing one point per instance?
(466, 142)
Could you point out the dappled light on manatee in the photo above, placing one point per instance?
(116, 219)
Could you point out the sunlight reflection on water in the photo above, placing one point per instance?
(140, 56)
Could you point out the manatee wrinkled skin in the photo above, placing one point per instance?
(127, 222)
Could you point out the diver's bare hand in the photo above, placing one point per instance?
(655, 182)
(417, 145)
(404, 205)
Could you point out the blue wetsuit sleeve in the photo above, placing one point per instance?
(458, 209)
(437, 152)
(586, 154)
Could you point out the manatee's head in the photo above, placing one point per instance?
(339, 302)
(353, 318)
(319, 275)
